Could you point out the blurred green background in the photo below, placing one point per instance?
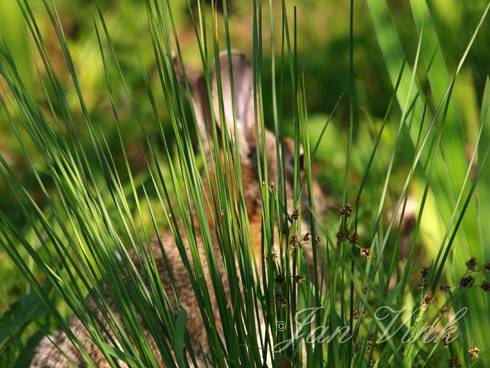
(323, 54)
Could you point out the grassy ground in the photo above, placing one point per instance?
(410, 130)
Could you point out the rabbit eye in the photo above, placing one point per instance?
(301, 162)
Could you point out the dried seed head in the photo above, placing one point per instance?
(295, 215)
(280, 279)
(307, 236)
(445, 288)
(467, 281)
(486, 267)
(428, 298)
(474, 352)
(471, 264)
(317, 239)
(353, 238)
(272, 258)
(340, 236)
(453, 362)
(365, 252)
(424, 272)
(348, 210)
(485, 285)
(293, 241)
(299, 279)
(357, 348)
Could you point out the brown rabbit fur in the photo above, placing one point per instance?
(62, 353)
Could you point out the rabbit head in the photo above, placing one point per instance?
(233, 92)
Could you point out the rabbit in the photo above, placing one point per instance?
(58, 351)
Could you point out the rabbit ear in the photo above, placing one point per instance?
(200, 101)
(243, 107)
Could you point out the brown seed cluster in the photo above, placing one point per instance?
(339, 236)
(445, 288)
(365, 252)
(424, 272)
(357, 314)
(299, 279)
(371, 339)
(466, 281)
(357, 347)
(474, 352)
(353, 237)
(471, 264)
(486, 267)
(485, 286)
(272, 259)
(453, 362)
(346, 210)
(294, 241)
(445, 310)
(469, 279)
(294, 216)
(280, 279)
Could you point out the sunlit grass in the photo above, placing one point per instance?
(93, 216)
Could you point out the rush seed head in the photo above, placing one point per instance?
(365, 252)
(299, 279)
(485, 286)
(467, 281)
(445, 288)
(474, 352)
(471, 264)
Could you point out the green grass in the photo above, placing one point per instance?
(82, 206)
